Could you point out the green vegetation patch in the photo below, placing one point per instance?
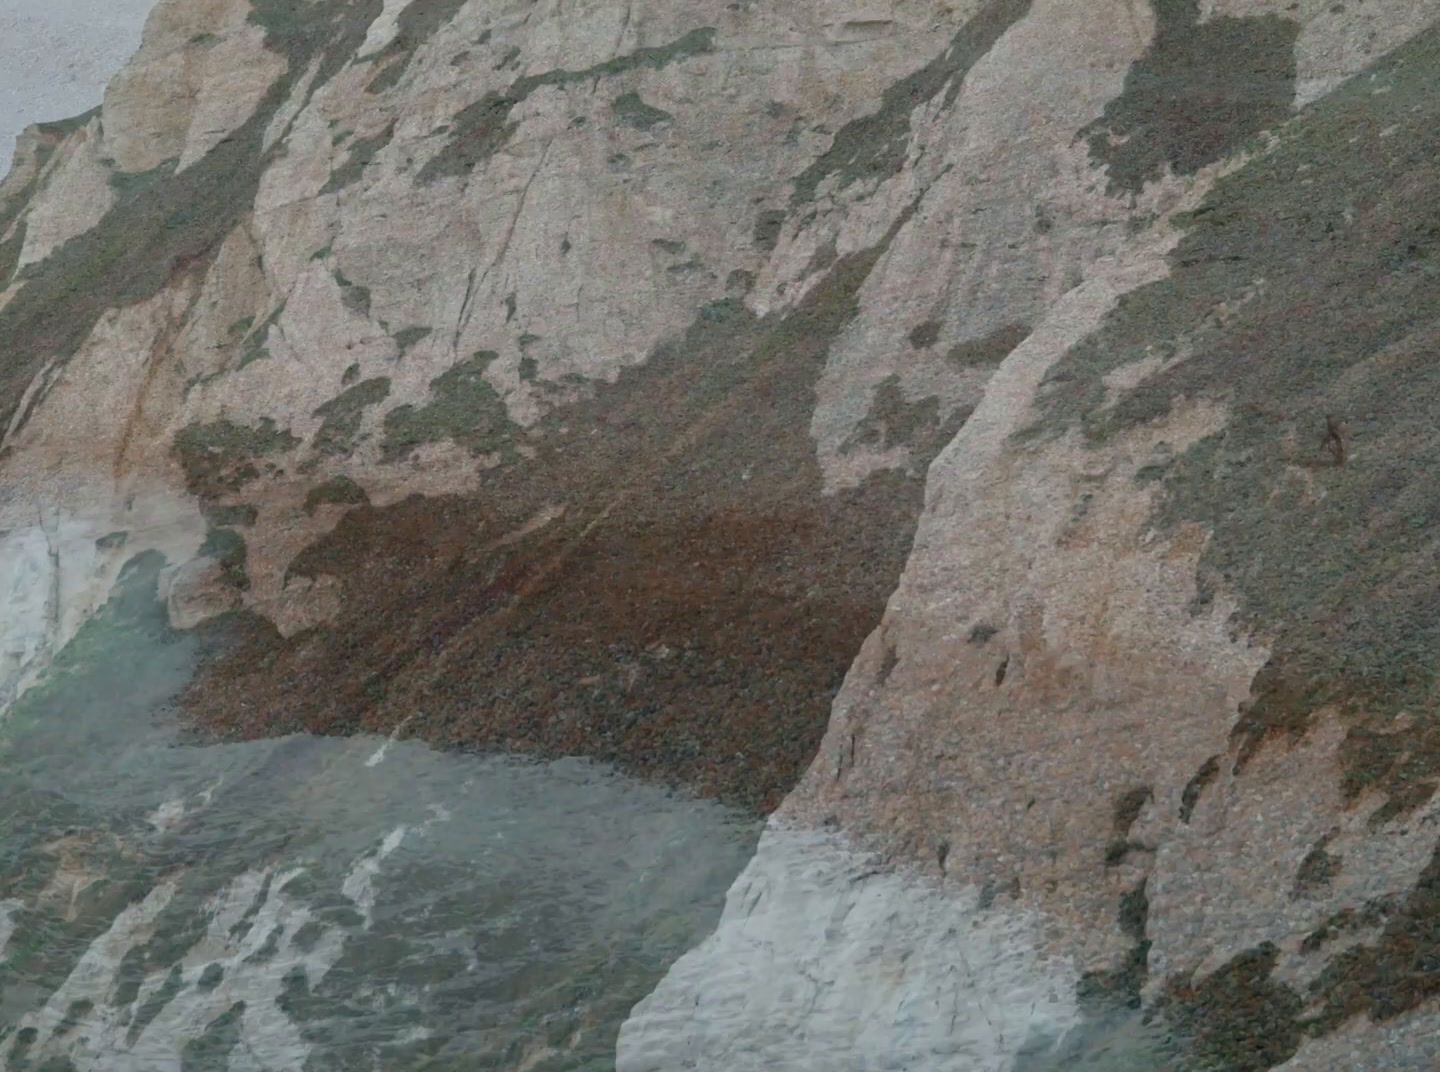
(768, 226)
(175, 221)
(154, 1004)
(1237, 1018)
(227, 548)
(923, 336)
(1308, 286)
(464, 409)
(1317, 871)
(337, 491)
(990, 349)
(1394, 974)
(230, 515)
(478, 131)
(362, 152)
(355, 297)
(253, 340)
(250, 343)
(341, 416)
(212, 1049)
(406, 338)
(332, 30)
(873, 147)
(112, 540)
(63, 128)
(210, 978)
(1103, 992)
(10, 250)
(1127, 810)
(634, 112)
(127, 184)
(892, 421)
(15, 205)
(1201, 91)
(416, 25)
(219, 457)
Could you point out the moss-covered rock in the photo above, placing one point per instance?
(1202, 91)
(873, 147)
(361, 153)
(418, 22)
(219, 457)
(174, 221)
(633, 112)
(1326, 275)
(227, 549)
(341, 416)
(464, 409)
(337, 491)
(480, 129)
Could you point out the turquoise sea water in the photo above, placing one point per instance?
(319, 903)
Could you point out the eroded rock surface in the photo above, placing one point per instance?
(907, 417)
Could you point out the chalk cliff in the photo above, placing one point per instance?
(909, 419)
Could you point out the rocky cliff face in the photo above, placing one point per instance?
(907, 417)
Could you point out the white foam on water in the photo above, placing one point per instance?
(7, 925)
(96, 974)
(359, 884)
(231, 969)
(268, 1038)
(166, 815)
(380, 753)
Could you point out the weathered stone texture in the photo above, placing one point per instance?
(906, 415)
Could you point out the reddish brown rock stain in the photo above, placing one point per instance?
(689, 617)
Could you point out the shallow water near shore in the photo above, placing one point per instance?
(319, 903)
